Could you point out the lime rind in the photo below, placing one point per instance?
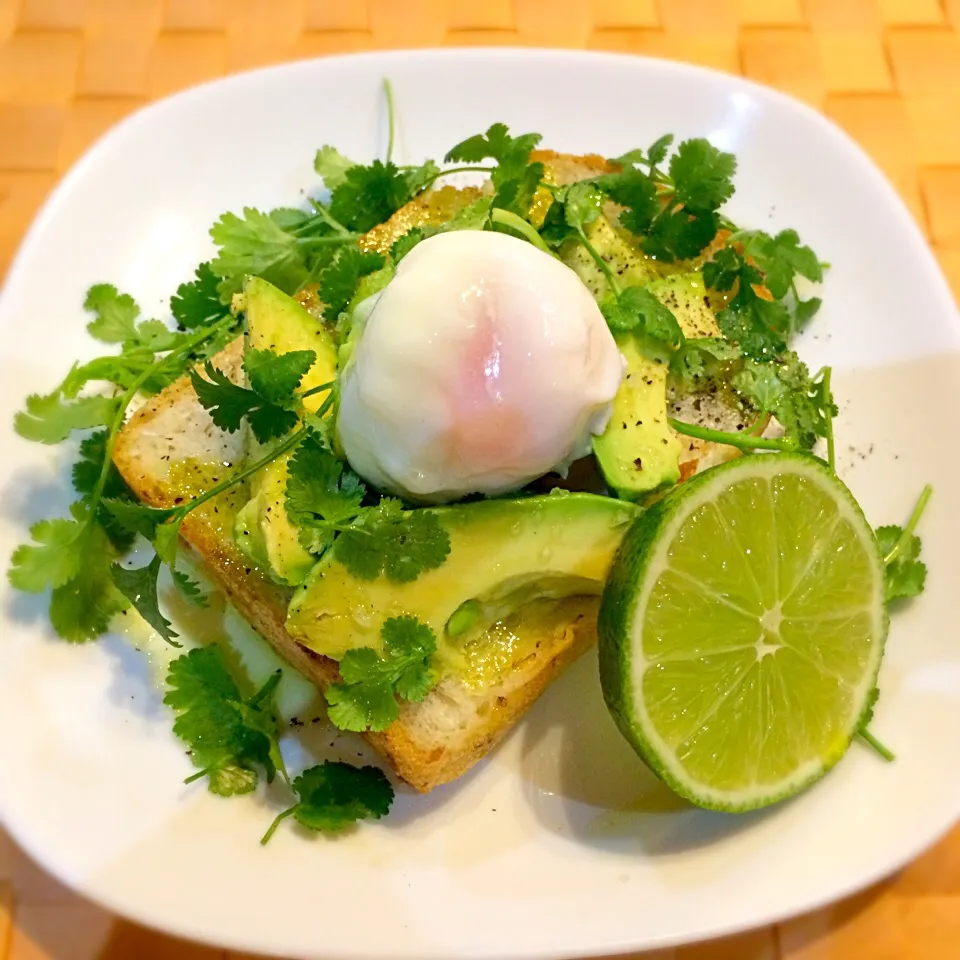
(642, 560)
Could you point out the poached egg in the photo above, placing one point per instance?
(483, 364)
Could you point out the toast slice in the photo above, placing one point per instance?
(170, 450)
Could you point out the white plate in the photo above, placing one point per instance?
(560, 844)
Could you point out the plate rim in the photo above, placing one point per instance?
(172, 102)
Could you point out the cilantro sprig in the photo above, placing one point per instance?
(372, 682)
(904, 576)
(285, 247)
(761, 272)
(334, 795)
(270, 404)
(76, 557)
(904, 572)
(674, 212)
(802, 404)
(324, 501)
(515, 178)
(234, 740)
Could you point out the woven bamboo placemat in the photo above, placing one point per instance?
(888, 71)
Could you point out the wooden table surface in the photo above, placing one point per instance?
(888, 71)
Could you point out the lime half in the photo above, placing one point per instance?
(742, 628)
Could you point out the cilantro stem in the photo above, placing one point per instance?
(907, 533)
(600, 262)
(327, 217)
(827, 396)
(183, 350)
(507, 219)
(288, 444)
(742, 440)
(391, 118)
(444, 173)
(884, 752)
(323, 386)
(272, 829)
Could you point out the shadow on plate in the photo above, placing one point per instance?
(584, 782)
(31, 495)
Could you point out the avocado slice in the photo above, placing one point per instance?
(639, 452)
(262, 529)
(504, 554)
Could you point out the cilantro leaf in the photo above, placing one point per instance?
(511, 153)
(514, 178)
(405, 243)
(388, 540)
(51, 419)
(759, 325)
(332, 166)
(369, 195)
(155, 335)
(334, 795)
(700, 359)
(727, 268)
(116, 314)
(573, 208)
(419, 177)
(582, 204)
(659, 149)
(474, 216)
(781, 258)
(81, 609)
(679, 233)
(115, 321)
(905, 576)
(655, 155)
(784, 388)
(635, 191)
(320, 493)
(276, 376)
(121, 369)
(139, 586)
(228, 405)
(636, 308)
(516, 194)
(254, 244)
(86, 471)
(804, 312)
(139, 518)
(197, 303)
(230, 738)
(702, 175)
(367, 697)
(338, 282)
(55, 556)
(86, 475)
(190, 589)
(680, 219)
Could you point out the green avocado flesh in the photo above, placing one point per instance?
(639, 452)
(504, 554)
(262, 530)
